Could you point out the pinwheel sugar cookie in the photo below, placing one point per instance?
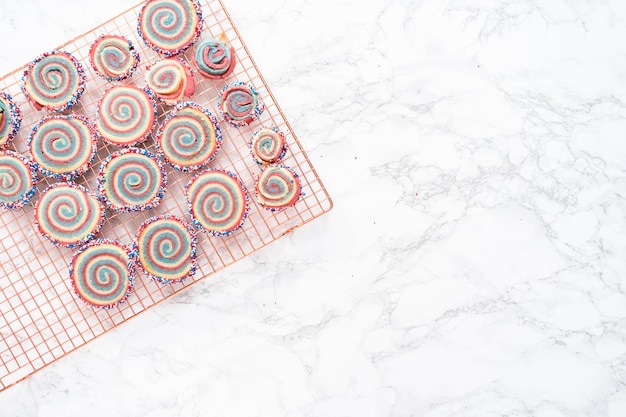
(240, 104)
(10, 119)
(171, 80)
(215, 58)
(18, 180)
(113, 57)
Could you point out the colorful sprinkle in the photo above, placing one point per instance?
(54, 81)
(277, 187)
(18, 180)
(166, 247)
(239, 104)
(189, 137)
(268, 145)
(126, 115)
(102, 273)
(64, 147)
(170, 27)
(10, 119)
(215, 58)
(113, 57)
(68, 215)
(132, 179)
(218, 202)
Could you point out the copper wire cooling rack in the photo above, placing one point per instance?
(41, 320)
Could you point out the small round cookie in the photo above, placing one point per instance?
(64, 147)
(171, 80)
(239, 104)
(54, 81)
(126, 115)
(113, 57)
(277, 187)
(218, 202)
(215, 58)
(68, 215)
(18, 180)
(102, 273)
(166, 249)
(132, 179)
(268, 146)
(10, 119)
(189, 137)
(170, 27)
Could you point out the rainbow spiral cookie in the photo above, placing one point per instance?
(277, 187)
(171, 80)
(218, 202)
(239, 104)
(215, 58)
(54, 81)
(268, 145)
(166, 249)
(113, 57)
(189, 137)
(132, 179)
(170, 27)
(102, 273)
(10, 119)
(18, 180)
(68, 215)
(126, 115)
(63, 146)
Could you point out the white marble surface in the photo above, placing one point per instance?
(473, 264)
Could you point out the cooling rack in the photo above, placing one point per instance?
(41, 320)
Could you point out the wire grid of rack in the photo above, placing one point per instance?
(41, 319)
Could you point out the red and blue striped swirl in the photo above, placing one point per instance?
(63, 146)
(215, 58)
(113, 57)
(68, 215)
(166, 248)
(277, 187)
(102, 273)
(268, 145)
(240, 104)
(18, 179)
(218, 202)
(169, 26)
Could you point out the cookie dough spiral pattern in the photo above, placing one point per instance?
(18, 179)
(277, 187)
(10, 119)
(113, 57)
(240, 104)
(171, 79)
(189, 137)
(68, 215)
(126, 115)
(268, 145)
(54, 81)
(63, 146)
(166, 248)
(170, 26)
(132, 180)
(218, 202)
(102, 273)
(215, 58)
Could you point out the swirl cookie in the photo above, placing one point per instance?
(18, 180)
(189, 137)
(218, 202)
(166, 249)
(268, 146)
(126, 115)
(277, 187)
(171, 80)
(132, 179)
(102, 273)
(64, 147)
(170, 27)
(10, 119)
(113, 57)
(68, 215)
(240, 104)
(215, 58)
(54, 81)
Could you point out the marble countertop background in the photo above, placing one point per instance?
(474, 262)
